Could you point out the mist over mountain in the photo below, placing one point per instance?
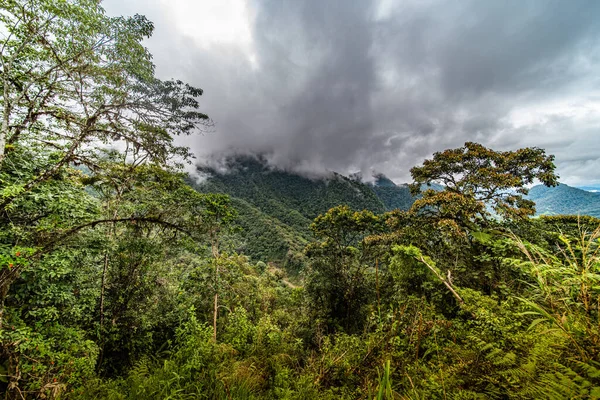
(276, 207)
(381, 85)
(590, 188)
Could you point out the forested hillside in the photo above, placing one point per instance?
(278, 192)
(391, 195)
(119, 280)
(564, 199)
(277, 207)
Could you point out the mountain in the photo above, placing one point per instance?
(396, 196)
(564, 199)
(290, 197)
(590, 188)
(276, 207)
(391, 195)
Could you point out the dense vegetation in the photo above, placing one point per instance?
(118, 280)
(276, 207)
(391, 195)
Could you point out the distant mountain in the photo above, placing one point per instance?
(393, 196)
(590, 188)
(277, 192)
(564, 199)
(396, 196)
(276, 207)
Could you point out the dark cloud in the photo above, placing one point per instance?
(355, 85)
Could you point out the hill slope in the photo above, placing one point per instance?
(292, 198)
(277, 207)
(564, 199)
(391, 195)
(395, 196)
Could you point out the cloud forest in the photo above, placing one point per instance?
(293, 262)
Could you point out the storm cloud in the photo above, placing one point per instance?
(321, 85)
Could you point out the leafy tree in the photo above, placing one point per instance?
(217, 214)
(73, 76)
(149, 216)
(75, 81)
(477, 179)
(482, 189)
(339, 282)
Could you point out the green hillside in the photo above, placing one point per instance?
(391, 195)
(564, 199)
(395, 196)
(290, 197)
(276, 207)
(266, 238)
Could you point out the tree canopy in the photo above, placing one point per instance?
(477, 179)
(74, 78)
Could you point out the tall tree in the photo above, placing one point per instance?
(477, 179)
(217, 214)
(73, 77)
(77, 86)
(74, 82)
(339, 279)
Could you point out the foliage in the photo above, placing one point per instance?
(119, 280)
(277, 206)
(476, 178)
(73, 76)
(391, 195)
(341, 280)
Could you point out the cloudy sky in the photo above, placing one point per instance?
(350, 86)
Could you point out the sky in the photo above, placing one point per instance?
(379, 86)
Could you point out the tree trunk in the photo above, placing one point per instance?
(215, 254)
(102, 287)
(377, 285)
(5, 116)
(215, 316)
(3, 294)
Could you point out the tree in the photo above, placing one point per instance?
(338, 281)
(217, 214)
(481, 187)
(74, 78)
(75, 81)
(149, 214)
(81, 113)
(477, 179)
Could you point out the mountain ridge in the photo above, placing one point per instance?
(277, 206)
(564, 199)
